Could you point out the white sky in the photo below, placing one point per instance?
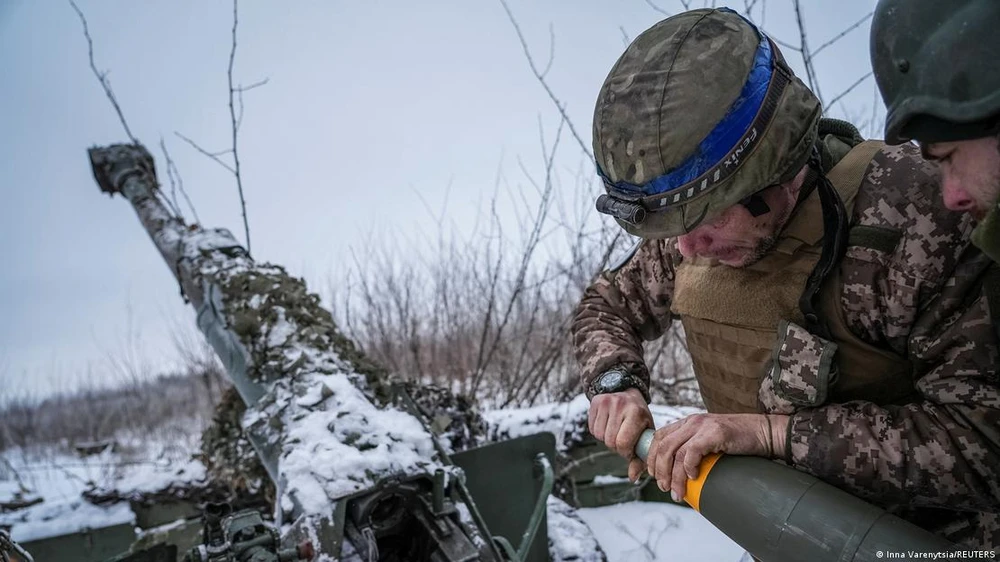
(371, 107)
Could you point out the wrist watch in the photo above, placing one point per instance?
(617, 380)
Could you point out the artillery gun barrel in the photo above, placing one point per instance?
(321, 428)
(779, 514)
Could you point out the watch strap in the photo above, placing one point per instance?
(629, 380)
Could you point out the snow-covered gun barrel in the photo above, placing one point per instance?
(779, 514)
(358, 473)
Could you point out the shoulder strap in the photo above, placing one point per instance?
(846, 176)
(837, 191)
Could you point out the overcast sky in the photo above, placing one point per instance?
(372, 108)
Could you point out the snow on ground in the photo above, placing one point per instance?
(59, 480)
(64, 516)
(60, 477)
(570, 539)
(641, 532)
(658, 532)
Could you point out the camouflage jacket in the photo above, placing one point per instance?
(923, 299)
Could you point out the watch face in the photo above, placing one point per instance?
(611, 381)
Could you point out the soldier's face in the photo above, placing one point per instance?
(737, 238)
(970, 173)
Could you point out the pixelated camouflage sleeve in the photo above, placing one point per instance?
(925, 298)
(621, 309)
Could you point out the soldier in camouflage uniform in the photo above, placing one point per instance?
(835, 312)
(935, 66)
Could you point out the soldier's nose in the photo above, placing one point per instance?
(956, 198)
(696, 242)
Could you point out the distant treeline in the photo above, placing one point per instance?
(91, 414)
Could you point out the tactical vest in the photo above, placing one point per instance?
(744, 325)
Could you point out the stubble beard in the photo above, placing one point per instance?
(757, 253)
(764, 245)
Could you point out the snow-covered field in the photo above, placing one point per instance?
(644, 532)
(657, 532)
(59, 478)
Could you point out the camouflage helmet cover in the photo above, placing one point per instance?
(935, 65)
(674, 90)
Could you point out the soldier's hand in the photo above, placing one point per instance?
(677, 448)
(617, 420)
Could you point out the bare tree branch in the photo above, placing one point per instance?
(541, 79)
(171, 201)
(785, 44)
(235, 124)
(625, 37)
(530, 246)
(240, 90)
(256, 84)
(840, 35)
(17, 476)
(806, 54)
(102, 77)
(661, 10)
(849, 88)
(175, 176)
(552, 49)
(206, 153)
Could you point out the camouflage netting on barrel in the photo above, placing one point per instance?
(229, 457)
(232, 463)
(279, 321)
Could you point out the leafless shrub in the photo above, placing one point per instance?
(656, 532)
(235, 120)
(488, 314)
(95, 414)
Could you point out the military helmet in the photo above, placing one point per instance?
(935, 64)
(700, 113)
